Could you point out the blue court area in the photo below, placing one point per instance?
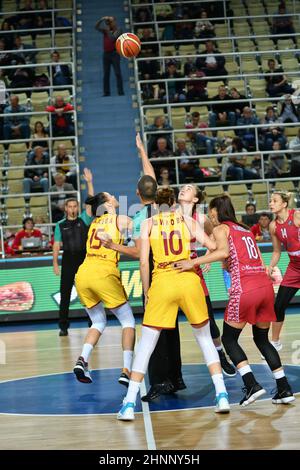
(61, 394)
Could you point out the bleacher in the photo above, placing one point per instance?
(42, 32)
(244, 35)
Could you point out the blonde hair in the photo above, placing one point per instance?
(285, 196)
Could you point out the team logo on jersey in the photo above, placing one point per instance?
(290, 222)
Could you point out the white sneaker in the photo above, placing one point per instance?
(126, 413)
(222, 403)
(277, 345)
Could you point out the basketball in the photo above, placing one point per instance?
(128, 45)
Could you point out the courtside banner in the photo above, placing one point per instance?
(30, 289)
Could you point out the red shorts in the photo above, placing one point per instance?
(292, 276)
(251, 307)
(202, 280)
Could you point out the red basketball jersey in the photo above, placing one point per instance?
(198, 268)
(289, 235)
(244, 262)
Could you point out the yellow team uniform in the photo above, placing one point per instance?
(98, 278)
(170, 241)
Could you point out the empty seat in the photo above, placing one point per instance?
(238, 189)
(38, 201)
(13, 202)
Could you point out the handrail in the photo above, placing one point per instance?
(22, 12)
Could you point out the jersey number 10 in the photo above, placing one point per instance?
(169, 242)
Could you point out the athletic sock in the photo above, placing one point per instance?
(247, 376)
(133, 390)
(281, 380)
(127, 359)
(219, 348)
(86, 351)
(219, 383)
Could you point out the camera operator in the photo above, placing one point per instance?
(108, 26)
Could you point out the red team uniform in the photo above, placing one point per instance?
(289, 235)
(251, 294)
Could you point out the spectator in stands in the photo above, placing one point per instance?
(43, 18)
(250, 218)
(8, 38)
(68, 165)
(15, 127)
(196, 89)
(163, 11)
(110, 30)
(148, 50)
(184, 30)
(247, 135)
(200, 139)
(213, 64)
(36, 179)
(174, 91)
(5, 57)
(295, 158)
(283, 25)
(276, 162)
(23, 50)
(142, 15)
(27, 232)
(237, 163)
(58, 200)
(204, 28)
(261, 229)
(268, 135)
(164, 177)
(189, 167)
(256, 165)
(61, 118)
(40, 133)
(158, 125)
(8, 242)
(61, 73)
(277, 85)
(288, 112)
(221, 114)
(22, 77)
(162, 150)
(241, 101)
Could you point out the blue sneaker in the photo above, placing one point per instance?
(126, 413)
(222, 403)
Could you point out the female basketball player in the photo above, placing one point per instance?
(251, 298)
(168, 234)
(189, 198)
(284, 229)
(98, 282)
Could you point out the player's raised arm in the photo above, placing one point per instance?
(147, 165)
(88, 177)
(144, 255)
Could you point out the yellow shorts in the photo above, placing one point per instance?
(97, 282)
(170, 291)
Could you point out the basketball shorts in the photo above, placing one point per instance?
(170, 291)
(292, 276)
(251, 307)
(97, 282)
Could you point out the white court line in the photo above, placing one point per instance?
(151, 444)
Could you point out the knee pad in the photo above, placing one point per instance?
(204, 339)
(144, 349)
(261, 339)
(124, 315)
(230, 339)
(98, 317)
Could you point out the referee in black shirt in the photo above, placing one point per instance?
(70, 235)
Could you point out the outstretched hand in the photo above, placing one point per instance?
(139, 143)
(87, 175)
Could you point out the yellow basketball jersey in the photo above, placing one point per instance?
(106, 224)
(170, 240)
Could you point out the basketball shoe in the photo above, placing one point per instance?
(82, 372)
(251, 394)
(126, 413)
(124, 377)
(222, 403)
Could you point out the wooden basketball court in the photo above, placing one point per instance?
(50, 410)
